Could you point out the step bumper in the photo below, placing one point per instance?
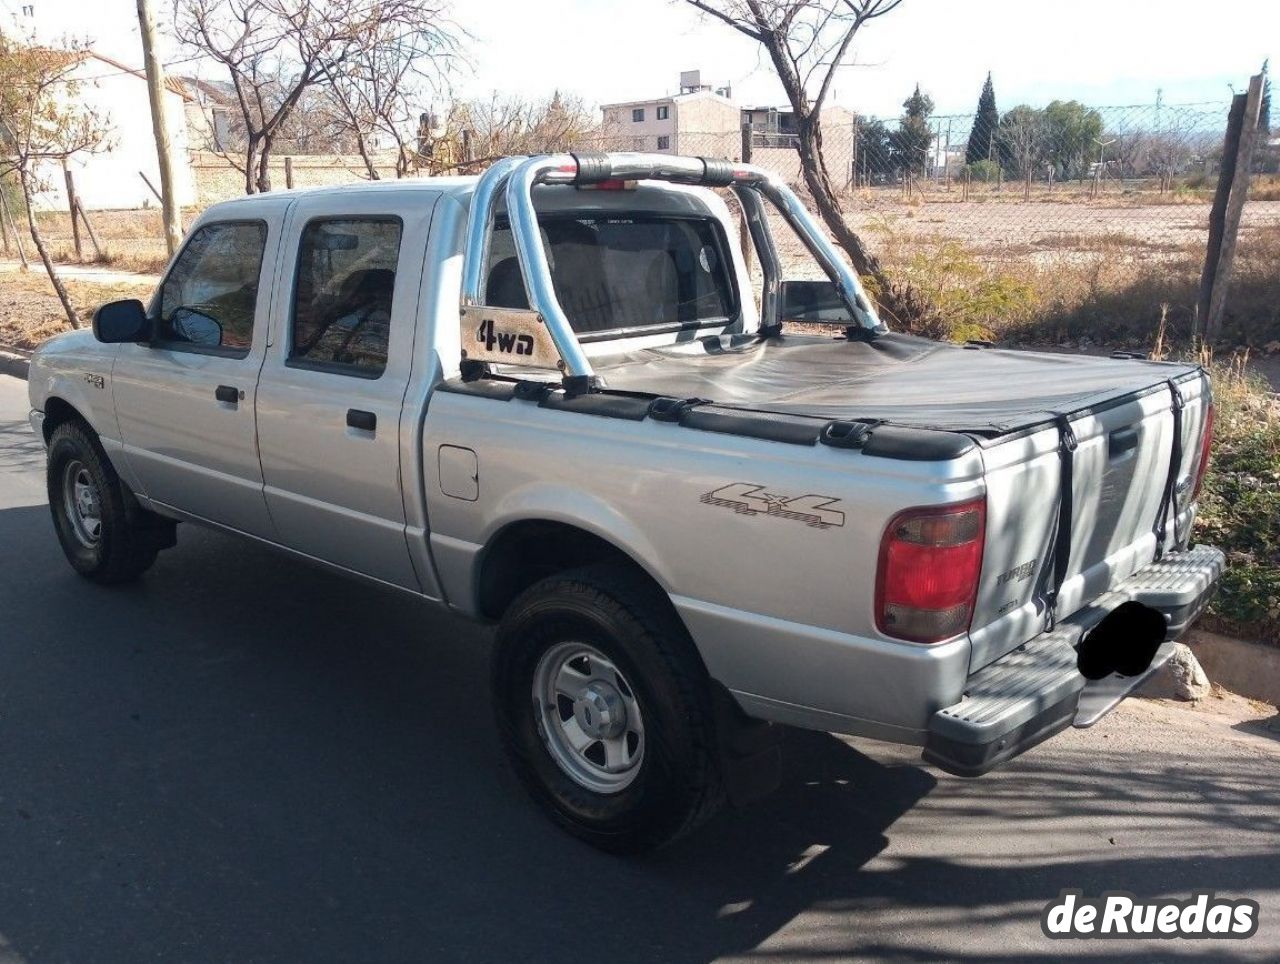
(1036, 691)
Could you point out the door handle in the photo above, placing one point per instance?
(227, 393)
(357, 418)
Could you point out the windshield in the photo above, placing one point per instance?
(618, 271)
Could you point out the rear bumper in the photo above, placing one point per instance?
(1036, 691)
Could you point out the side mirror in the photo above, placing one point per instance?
(814, 301)
(122, 321)
(196, 327)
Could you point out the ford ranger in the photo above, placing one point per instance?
(564, 398)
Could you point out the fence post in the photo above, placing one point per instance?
(17, 238)
(71, 207)
(93, 235)
(1228, 205)
(146, 180)
(288, 172)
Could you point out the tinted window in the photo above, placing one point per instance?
(342, 302)
(209, 296)
(624, 271)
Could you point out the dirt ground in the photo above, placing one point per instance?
(988, 227)
(30, 311)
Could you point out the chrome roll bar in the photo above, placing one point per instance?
(532, 256)
(514, 178)
(475, 265)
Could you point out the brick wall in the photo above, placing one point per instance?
(218, 180)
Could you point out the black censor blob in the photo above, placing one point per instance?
(1125, 642)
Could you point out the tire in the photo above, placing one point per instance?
(673, 782)
(125, 540)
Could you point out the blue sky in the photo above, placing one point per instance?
(1105, 52)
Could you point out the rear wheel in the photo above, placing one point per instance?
(604, 709)
(104, 534)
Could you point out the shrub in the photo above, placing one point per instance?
(1240, 505)
(984, 171)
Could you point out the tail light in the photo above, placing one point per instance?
(1206, 440)
(930, 561)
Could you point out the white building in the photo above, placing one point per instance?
(697, 120)
(112, 176)
(117, 92)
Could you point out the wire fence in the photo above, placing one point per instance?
(1084, 218)
(1097, 217)
(1058, 180)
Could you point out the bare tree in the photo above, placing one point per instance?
(478, 132)
(399, 64)
(43, 125)
(276, 51)
(807, 42)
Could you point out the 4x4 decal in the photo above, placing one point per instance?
(745, 498)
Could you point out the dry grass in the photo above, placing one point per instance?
(30, 312)
(1106, 288)
(131, 240)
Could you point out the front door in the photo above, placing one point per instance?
(185, 402)
(333, 386)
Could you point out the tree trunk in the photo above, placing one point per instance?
(902, 304)
(38, 241)
(818, 182)
(264, 167)
(250, 166)
(368, 161)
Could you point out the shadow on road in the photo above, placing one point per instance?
(244, 758)
(20, 449)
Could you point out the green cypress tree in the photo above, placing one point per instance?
(985, 123)
(910, 142)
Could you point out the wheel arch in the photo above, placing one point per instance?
(524, 551)
(59, 411)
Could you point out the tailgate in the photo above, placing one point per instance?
(1119, 472)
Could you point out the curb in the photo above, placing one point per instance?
(14, 362)
(1247, 668)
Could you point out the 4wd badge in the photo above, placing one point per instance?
(745, 498)
(507, 336)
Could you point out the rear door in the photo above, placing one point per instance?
(332, 390)
(185, 402)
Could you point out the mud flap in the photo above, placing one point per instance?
(750, 750)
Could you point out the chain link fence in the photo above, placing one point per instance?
(1067, 223)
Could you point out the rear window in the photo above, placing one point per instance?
(616, 272)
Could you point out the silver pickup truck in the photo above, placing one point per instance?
(565, 398)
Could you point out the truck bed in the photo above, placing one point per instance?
(898, 379)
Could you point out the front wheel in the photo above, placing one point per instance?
(104, 536)
(604, 709)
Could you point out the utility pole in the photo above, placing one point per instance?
(160, 124)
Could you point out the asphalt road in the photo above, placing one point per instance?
(243, 758)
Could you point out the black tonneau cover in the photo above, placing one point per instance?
(900, 379)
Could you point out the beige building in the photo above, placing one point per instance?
(697, 120)
(703, 121)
